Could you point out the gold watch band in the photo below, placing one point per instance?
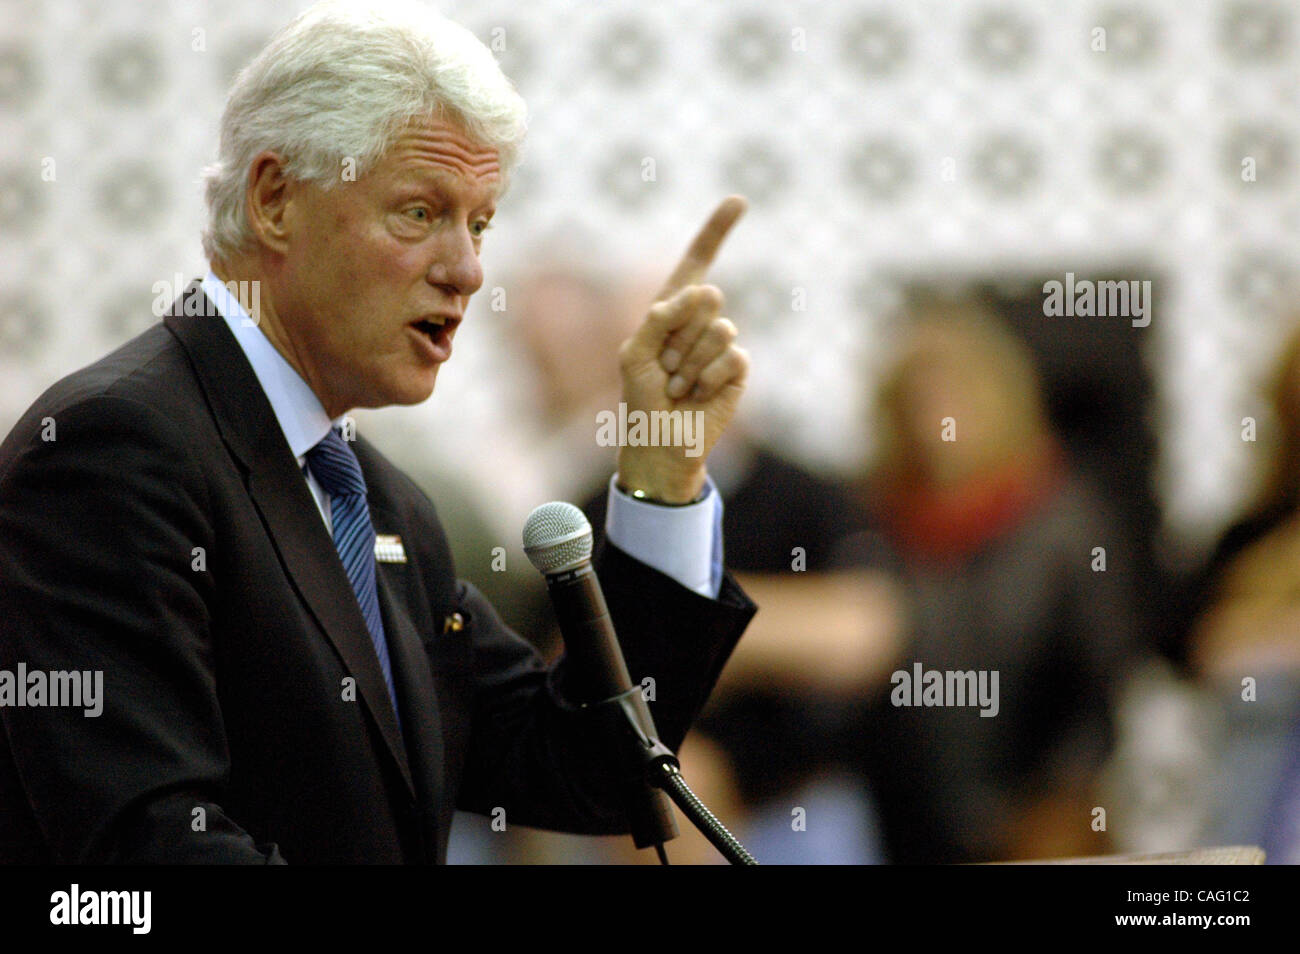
(646, 498)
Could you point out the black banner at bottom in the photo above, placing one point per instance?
(976, 903)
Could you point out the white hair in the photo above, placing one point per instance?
(337, 85)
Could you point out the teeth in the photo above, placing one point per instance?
(437, 321)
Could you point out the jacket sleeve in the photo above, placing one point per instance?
(532, 752)
(100, 573)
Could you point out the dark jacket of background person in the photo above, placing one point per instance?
(777, 514)
(950, 785)
(993, 543)
(224, 685)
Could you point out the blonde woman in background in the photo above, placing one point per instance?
(993, 538)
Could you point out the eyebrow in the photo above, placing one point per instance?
(411, 185)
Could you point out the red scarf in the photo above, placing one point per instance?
(950, 524)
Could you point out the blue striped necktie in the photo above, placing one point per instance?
(336, 469)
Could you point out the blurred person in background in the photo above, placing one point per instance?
(1245, 643)
(993, 541)
(571, 319)
(568, 315)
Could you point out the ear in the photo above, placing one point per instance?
(267, 199)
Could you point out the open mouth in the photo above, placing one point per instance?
(433, 327)
(437, 330)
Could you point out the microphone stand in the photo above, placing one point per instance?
(646, 761)
(557, 540)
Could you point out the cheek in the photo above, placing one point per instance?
(363, 281)
(383, 266)
(401, 263)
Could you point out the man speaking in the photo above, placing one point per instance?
(290, 670)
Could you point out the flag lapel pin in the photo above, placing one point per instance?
(389, 549)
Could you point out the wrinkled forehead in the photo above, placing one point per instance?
(444, 151)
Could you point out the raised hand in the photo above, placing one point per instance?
(683, 358)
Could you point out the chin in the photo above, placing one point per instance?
(416, 392)
(404, 394)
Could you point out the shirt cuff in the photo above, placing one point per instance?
(684, 543)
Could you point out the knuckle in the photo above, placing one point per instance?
(720, 333)
(627, 352)
(710, 296)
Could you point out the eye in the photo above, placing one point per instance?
(481, 226)
(419, 212)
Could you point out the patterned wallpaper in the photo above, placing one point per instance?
(877, 142)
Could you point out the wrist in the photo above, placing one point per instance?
(665, 494)
(675, 482)
(644, 497)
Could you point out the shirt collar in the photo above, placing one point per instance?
(298, 410)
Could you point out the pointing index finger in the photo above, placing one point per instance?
(704, 248)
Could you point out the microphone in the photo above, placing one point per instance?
(557, 540)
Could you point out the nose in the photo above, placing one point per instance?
(456, 270)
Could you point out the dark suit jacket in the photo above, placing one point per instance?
(227, 734)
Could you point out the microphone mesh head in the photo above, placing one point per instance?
(557, 536)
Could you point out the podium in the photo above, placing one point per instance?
(1228, 855)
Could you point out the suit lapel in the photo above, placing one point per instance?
(278, 490)
(308, 554)
(416, 693)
